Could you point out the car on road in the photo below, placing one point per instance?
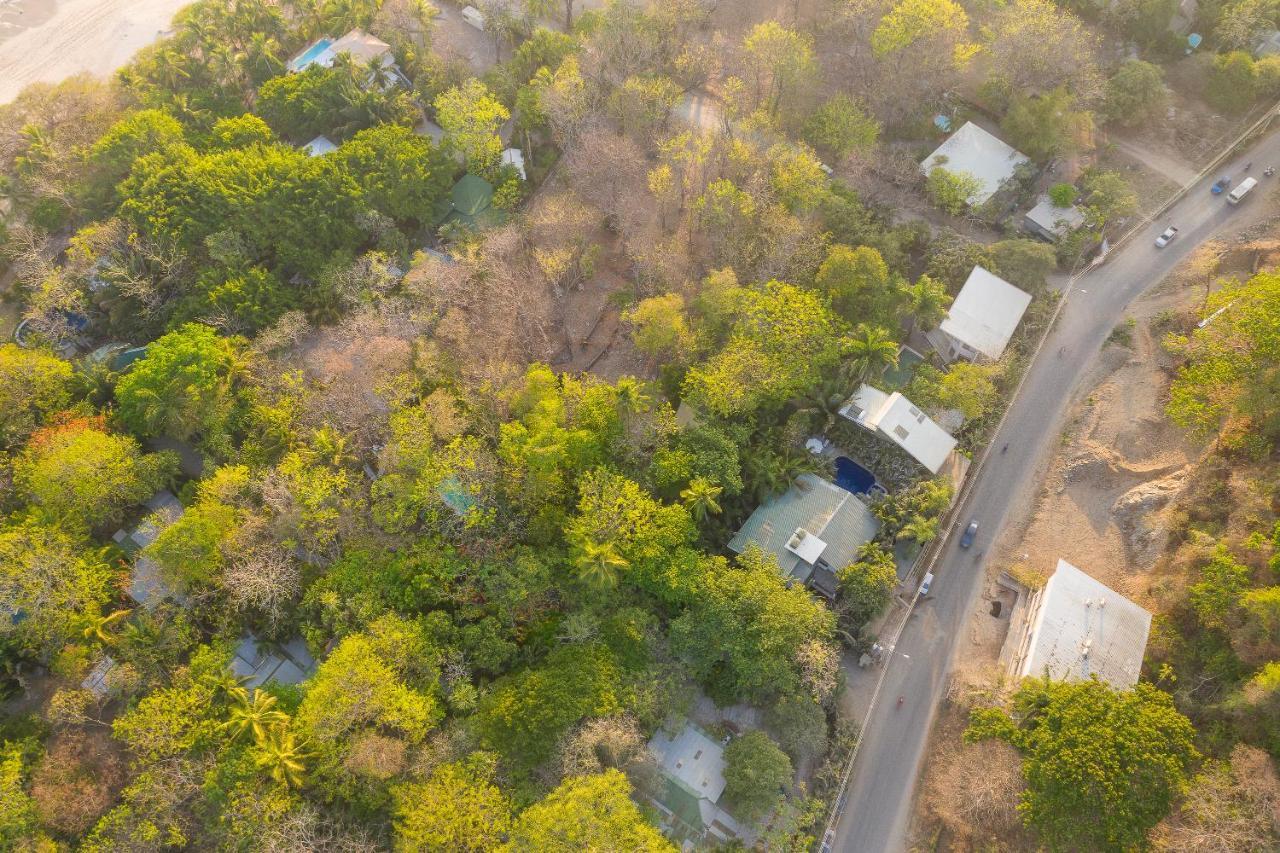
(1167, 237)
(969, 533)
(926, 585)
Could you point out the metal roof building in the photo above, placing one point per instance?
(1076, 627)
(895, 418)
(982, 318)
(973, 151)
(1050, 221)
(814, 524)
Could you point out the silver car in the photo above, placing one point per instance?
(1167, 237)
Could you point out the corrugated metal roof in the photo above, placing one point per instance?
(824, 509)
(976, 152)
(1080, 627)
(986, 312)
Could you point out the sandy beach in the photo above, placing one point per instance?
(48, 40)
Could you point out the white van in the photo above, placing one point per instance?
(1242, 190)
(474, 17)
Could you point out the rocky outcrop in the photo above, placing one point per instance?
(1138, 515)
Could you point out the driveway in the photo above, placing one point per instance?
(880, 792)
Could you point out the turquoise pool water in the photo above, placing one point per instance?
(312, 52)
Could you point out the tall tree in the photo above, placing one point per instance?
(1102, 766)
(471, 116)
(586, 813)
(184, 387)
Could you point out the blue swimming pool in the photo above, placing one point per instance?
(852, 477)
(310, 56)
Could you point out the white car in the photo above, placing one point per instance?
(1167, 237)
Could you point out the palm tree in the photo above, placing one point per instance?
(169, 69)
(381, 77)
(227, 682)
(823, 404)
(929, 302)
(96, 626)
(700, 498)
(768, 474)
(255, 713)
(283, 757)
(632, 395)
(919, 529)
(870, 350)
(599, 563)
(262, 56)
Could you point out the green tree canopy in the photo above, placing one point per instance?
(1102, 766)
(289, 210)
(1136, 94)
(841, 126)
(52, 579)
(33, 385)
(84, 477)
(867, 584)
(184, 387)
(861, 287)
(402, 174)
(745, 632)
(1231, 365)
(1232, 82)
(525, 714)
(586, 813)
(781, 338)
(951, 190)
(458, 808)
(756, 774)
(470, 116)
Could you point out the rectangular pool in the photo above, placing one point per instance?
(852, 477)
(309, 56)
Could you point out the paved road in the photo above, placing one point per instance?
(879, 796)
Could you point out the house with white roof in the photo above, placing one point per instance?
(813, 530)
(973, 151)
(361, 47)
(1074, 628)
(1049, 221)
(692, 765)
(981, 320)
(895, 418)
(319, 146)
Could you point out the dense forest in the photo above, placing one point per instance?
(499, 570)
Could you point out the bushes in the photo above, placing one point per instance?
(756, 774)
(1233, 81)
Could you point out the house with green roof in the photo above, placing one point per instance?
(813, 530)
(471, 203)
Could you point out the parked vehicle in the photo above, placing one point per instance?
(1167, 237)
(1237, 194)
(928, 582)
(969, 533)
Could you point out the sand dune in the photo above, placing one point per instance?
(97, 36)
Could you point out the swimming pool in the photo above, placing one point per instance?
(311, 54)
(852, 477)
